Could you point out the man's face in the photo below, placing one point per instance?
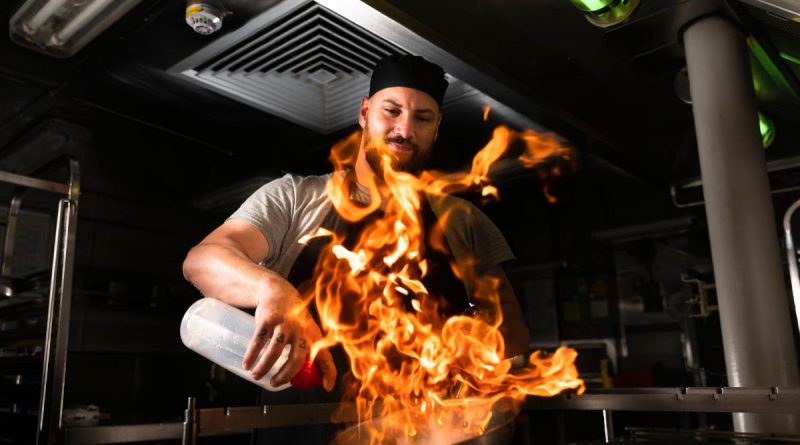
(406, 121)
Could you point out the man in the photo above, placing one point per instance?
(254, 259)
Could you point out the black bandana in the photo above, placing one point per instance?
(411, 72)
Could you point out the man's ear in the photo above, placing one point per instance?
(362, 113)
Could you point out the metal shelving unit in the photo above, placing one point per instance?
(47, 338)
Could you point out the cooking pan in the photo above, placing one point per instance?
(498, 431)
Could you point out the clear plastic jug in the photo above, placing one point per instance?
(221, 333)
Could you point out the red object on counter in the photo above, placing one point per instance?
(307, 377)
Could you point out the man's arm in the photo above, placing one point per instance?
(225, 265)
(514, 330)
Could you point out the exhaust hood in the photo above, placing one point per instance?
(309, 61)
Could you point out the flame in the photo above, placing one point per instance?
(486, 110)
(406, 359)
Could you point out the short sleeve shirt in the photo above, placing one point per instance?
(287, 208)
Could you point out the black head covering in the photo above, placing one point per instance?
(411, 72)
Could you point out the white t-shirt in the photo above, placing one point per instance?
(292, 206)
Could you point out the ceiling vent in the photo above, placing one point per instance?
(309, 61)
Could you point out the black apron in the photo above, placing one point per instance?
(439, 280)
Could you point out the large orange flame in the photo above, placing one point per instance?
(407, 359)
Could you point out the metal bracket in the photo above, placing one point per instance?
(701, 299)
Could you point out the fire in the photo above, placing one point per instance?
(486, 110)
(413, 365)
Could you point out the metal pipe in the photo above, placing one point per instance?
(70, 209)
(794, 274)
(189, 436)
(51, 401)
(756, 327)
(683, 205)
(608, 426)
(41, 437)
(40, 184)
(676, 400)
(65, 304)
(10, 235)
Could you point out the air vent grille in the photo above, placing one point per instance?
(308, 65)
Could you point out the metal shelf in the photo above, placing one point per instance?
(237, 420)
(55, 331)
(123, 433)
(708, 400)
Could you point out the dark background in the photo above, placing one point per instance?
(599, 269)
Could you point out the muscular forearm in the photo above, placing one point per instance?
(223, 272)
(515, 332)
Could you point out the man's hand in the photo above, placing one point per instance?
(280, 322)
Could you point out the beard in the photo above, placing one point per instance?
(412, 162)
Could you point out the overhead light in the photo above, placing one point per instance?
(767, 129)
(605, 13)
(60, 28)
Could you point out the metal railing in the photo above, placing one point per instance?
(51, 400)
(791, 253)
(200, 422)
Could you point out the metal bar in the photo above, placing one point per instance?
(189, 436)
(608, 426)
(68, 240)
(230, 419)
(791, 253)
(756, 326)
(11, 231)
(60, 288)
(663, 435)
(213, 421)
(122, 433)
(41, 184)
(682, 205)
(74, 181)
(62, 336)
(708, 400)
(54, 272)
(772, 166)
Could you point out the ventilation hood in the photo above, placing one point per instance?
(309, 61)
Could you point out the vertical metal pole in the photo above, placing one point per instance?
(62, 336)
(608, 426)
(56, 345)
(45, 409)
(11, 231)
(753, 305)
(190, 424)
(791, 252)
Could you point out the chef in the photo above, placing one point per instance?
(254, 259)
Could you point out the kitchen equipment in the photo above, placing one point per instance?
(498, 431)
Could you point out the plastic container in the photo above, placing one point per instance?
(221, 333)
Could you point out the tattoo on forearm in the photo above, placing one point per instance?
(302, 343)
(280, 338)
